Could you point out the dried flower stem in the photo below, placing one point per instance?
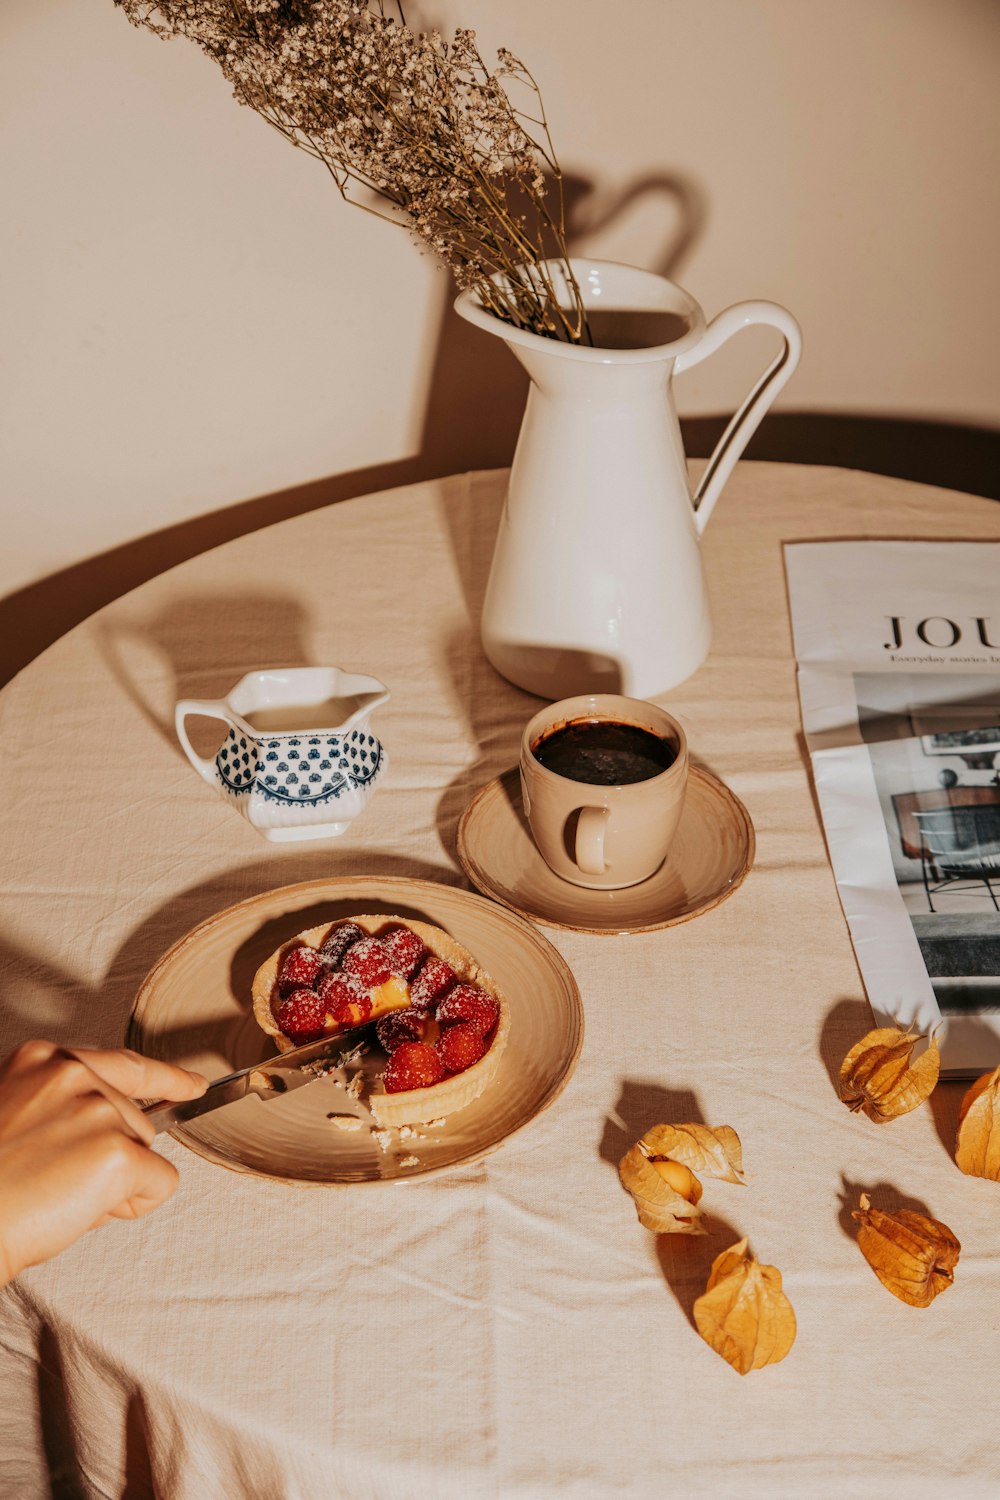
(403, 118)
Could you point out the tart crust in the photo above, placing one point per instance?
(412, 1106)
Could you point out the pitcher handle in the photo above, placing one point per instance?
(747, 418)
(209, 709)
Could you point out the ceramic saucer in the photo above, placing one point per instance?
(711, 855)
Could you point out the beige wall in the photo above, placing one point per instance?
(192, 318)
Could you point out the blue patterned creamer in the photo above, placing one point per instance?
(299, 760)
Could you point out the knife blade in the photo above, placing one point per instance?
(268, 1079)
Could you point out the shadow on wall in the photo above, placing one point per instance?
(476, 396)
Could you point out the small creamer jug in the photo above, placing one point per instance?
(299, 759)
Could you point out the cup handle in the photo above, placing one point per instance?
(209, 709)
(589, 851)
(747, 418)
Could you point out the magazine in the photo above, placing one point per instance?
(898, 651)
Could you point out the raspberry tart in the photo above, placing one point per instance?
(439, 1018)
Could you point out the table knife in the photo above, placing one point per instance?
(268, 1079)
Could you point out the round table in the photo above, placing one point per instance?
(508, 1328)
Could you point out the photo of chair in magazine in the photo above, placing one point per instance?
(898, 652)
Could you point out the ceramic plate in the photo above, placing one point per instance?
(710, 857)
(194, 1008)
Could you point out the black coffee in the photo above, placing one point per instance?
(603, 752)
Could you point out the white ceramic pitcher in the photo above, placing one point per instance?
(597, 583)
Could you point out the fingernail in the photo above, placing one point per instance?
(200, 1082)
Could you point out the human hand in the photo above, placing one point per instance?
(74, 1148)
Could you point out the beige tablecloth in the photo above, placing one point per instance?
(508, 1329)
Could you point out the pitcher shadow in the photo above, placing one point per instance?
(486, 702)
(489, 703)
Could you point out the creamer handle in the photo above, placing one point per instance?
(209, 709)
(747, 419)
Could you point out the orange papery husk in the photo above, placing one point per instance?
(714, 1151)
(977, 1150)
(912, 1255)
(877, 1075)
(743, 1313)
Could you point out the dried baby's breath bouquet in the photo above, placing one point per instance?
(409, 126)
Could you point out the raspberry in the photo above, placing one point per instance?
(300, 970)
(346, 1003)
(431, 982)
(333, 986)
(460, 1046)
(413, 1065)
(468, 1003)
(368, 961)
(301, 1016)
(338, 940)
(405, 950)
(400, 1026)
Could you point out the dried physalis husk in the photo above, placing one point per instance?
(878, 1077)
(743, 1313)
(978, 1148)
(659, 1172)
(911, 1254)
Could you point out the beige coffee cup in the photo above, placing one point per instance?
(602, 835)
